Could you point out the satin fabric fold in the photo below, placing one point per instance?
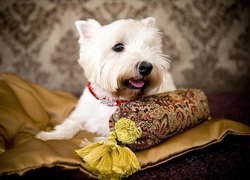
(205, 134)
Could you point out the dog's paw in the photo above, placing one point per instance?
(100, 139)
(85, 142)
(43, 135)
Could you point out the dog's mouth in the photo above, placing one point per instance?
(135, 83)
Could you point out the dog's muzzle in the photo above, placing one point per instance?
(144, 68)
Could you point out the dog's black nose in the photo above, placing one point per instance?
(145, 68)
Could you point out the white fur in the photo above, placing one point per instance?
(103, 66)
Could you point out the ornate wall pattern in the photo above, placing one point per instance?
(208, 41)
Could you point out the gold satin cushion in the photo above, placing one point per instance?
(26, 108)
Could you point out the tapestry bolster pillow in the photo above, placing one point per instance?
(163, 115)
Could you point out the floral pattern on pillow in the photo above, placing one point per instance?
(164, 115)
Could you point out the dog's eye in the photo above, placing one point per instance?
(118, 47)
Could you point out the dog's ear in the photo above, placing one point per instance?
(150, 21)
(87, 29)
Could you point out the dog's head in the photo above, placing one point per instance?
(124, 58)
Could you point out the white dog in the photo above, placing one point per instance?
(122, 61)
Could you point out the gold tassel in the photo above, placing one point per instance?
(107, 159)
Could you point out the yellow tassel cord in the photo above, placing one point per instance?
(109, 160)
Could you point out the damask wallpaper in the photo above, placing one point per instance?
(208, 40)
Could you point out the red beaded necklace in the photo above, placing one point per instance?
(104, 100)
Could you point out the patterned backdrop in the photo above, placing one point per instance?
(208, 40)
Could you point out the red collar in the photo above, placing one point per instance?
(104, 100)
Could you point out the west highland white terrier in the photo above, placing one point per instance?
(122, 61)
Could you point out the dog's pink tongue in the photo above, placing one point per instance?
(137, 83)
